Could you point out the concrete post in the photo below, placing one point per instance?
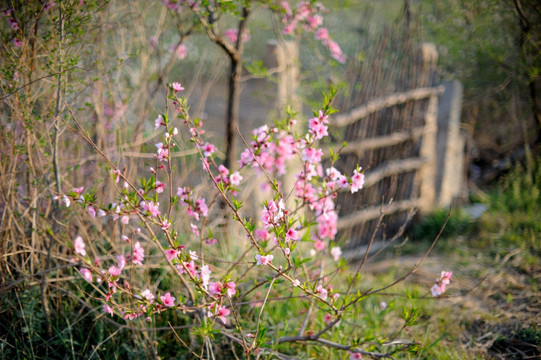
(450, 145)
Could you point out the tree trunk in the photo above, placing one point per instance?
(232, 116)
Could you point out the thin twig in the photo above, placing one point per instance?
(17, 282)
(413, 270)
(39, 79)
(182, 341)
(361, 265)
(56, 167)
(261, 312)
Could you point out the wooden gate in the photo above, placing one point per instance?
(406, 128)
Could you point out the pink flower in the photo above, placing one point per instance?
(116, 174)
(232, 35)
(177, 87)
(342, 181)
(332, 173)
(296, 282)
(195, 230)
(322, 292)
(230, 288)
(190, 266)
(79, 246)
(92, 211)
(108, 309)
(162, 153)
(183, 193)
(171, 254)
(272, 213)
(357, 181)
(327, 318)
(201, 207)
(319, 245)
(208, 149)
(224, 172)
(13, 23)
(235, 178)
(151, 208)
(168, 300)
(87, 274)
(205, 275)
(158, 122)
(114, 271)
(66, 201)
(336, 252)
(262, 234)
(291, 234)
(312, 155)
(159, 186)
(355, 356)
(181, 52)
(220, 312)
(288, 29)
(322, 34)
(264, 259)
(138, 254)
(441, 283)
(314, 21)
(446, 277)
(286, 7)
(215, 288)
(125, 220)
(336, 52)
(148, 295)
(165, 225)
(17, 42)
(121, 261)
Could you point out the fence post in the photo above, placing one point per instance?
(283, 56)
(427, 173)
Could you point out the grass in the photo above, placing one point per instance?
(493, 309)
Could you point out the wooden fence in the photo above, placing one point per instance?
(423, 163)
(410, 148)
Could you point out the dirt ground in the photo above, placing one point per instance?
(492, 309)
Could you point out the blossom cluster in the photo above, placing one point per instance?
(233, 34)
(271, 149)
(111, 271)
(309, 18)
(9, 14)
(178, 5)
(274, 237)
